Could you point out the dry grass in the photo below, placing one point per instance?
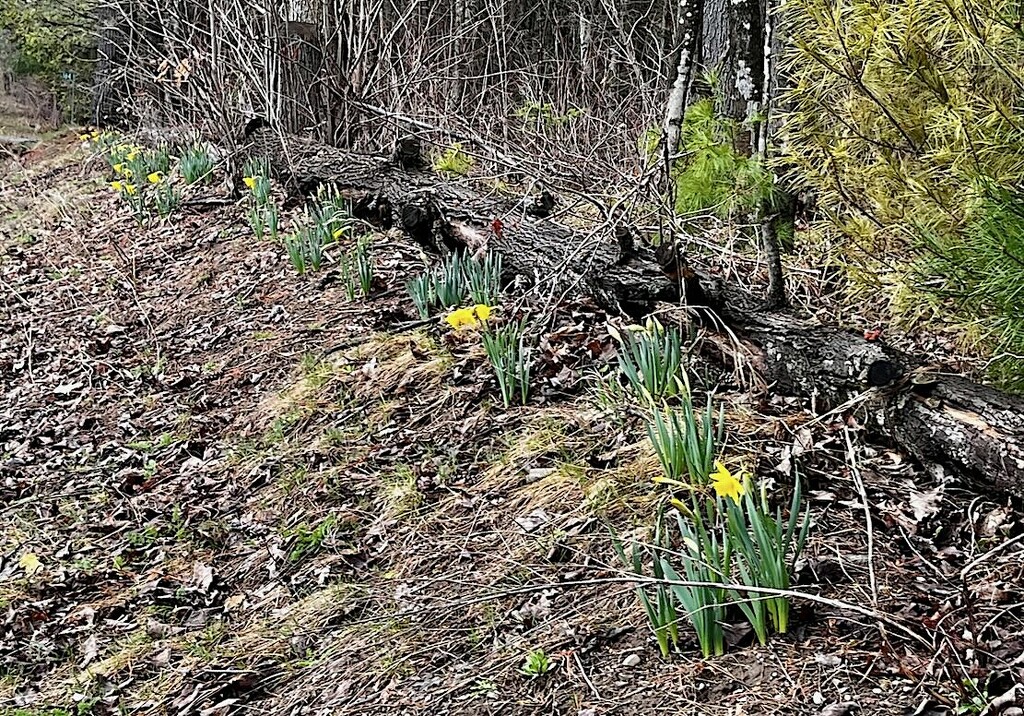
(345, 519)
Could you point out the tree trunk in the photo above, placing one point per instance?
(771, 218)
(690, 21)
(109, 90)
(743, 96)
(736, 47)
(778, 210)
(714, 44)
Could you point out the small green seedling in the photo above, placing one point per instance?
(536, 664)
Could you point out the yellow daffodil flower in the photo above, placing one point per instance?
(338, 233)
(84, 137)
(483, 311)
(131, 156)
(726, 484)
(95, 134)
(129, 189)
(461, 318)
(117, 186)
(469, 317)
(118, 168)
(250, 182)
(155, 177)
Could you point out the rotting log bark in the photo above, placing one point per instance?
(450, 214)
(830, 365)
(973, 431)
(17, 145)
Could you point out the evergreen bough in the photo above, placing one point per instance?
(902, 117)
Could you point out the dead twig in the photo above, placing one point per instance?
(869, 527)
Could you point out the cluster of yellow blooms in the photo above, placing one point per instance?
(127, 153)
(122, 187)
(469, 317)
(121, 168)
(91, 136)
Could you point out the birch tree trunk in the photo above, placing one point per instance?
(743, 95)
(779, 210)
(690, 20)
(730, 40)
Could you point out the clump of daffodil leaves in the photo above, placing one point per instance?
(455, 280)
(504, 345)
(327, 224)
(263, 216)
(652, 359)
(715, 534)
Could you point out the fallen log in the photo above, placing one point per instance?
(974, 431)
(443, 212)
(17, 145)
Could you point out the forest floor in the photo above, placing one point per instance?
(228, 489)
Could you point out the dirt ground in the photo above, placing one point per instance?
(244, 493)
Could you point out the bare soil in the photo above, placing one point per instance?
(248, 494)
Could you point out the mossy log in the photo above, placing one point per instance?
(973, 431)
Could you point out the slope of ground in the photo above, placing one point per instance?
(228, 489)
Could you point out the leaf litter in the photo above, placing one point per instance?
(227, 488)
